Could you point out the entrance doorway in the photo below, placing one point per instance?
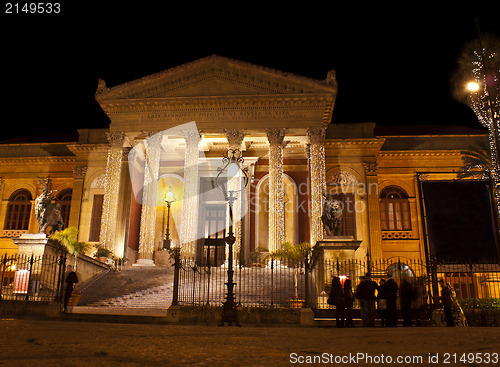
(214, 227)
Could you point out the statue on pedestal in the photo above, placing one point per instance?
(47, 213)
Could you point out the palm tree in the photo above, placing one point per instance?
(477, 163)
(68, 238)
(296, 254)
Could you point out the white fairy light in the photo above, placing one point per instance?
(276, 197)
(316, 139)
(484, 99)
(189, 224)
(149, 198)
(111, 191)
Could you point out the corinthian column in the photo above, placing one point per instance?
(189, 224)
(111, 191)
(276, 194)
(316, 138)
(149, 197)
(235, 138)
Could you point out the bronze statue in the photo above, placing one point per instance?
(47, 213)
(332, 216)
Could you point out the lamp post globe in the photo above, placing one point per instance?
(169, 199)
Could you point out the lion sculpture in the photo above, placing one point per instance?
(47, 213)
(332, 216)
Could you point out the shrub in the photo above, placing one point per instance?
(480, 303)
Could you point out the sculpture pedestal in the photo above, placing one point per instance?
(36, 244)
(328, 254)
(336, 248)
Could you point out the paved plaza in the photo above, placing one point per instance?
(66, 343)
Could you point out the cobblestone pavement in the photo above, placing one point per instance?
(63, 343)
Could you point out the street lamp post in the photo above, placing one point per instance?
(231, 172)
(169, 199)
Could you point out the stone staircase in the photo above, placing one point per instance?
(133, 288)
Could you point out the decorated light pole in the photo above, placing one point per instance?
(480, 63)
(169, 199)
(231, 179)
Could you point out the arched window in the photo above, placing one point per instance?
(64, 199)
(394, 209)
(18, 211)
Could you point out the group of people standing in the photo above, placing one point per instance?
(370, 295)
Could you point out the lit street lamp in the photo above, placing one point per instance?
(231, 179)
(472, 86)
(169, 199)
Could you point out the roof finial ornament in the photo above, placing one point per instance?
(331, 78)
(101, 87)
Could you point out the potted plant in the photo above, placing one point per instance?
(120, 262)
(74, 299)
(68, 238)
(256, 257)
(295, 255)
(102, 253)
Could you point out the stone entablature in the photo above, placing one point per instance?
(219, 93)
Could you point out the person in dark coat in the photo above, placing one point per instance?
(391, 295)
(407, 293)
(349, 302)
(337, 298)
(447, 301)
(71, 280)
(382, 302)
(366, 295)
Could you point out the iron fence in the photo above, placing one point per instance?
(470, 279)
(278, 283)
(31, 278)
(322, 273)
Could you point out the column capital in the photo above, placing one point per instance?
(316, 135)
(370, 168)
(115, 138)
(275, 136)
(154, 139)
(192, 137)
(80, 172)
(235, 137)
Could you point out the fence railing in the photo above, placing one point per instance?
(282, 284)
(323, 272)
(273, 285)
(470, 279)
(31, 278)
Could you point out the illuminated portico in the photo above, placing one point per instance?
(263, 112)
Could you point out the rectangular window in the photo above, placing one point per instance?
(395, 215)
(95, 221)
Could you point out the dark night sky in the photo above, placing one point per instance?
(394, 65)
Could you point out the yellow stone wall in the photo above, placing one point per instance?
(22, 173)
(366, 159)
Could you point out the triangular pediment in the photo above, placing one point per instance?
(216, 76)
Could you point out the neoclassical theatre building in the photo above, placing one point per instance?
(167, 136)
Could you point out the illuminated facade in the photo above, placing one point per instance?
(111, 182)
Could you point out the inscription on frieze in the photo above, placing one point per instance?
(238, 115)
